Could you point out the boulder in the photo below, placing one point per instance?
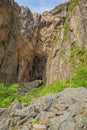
(61, 111)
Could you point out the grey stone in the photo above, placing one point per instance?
(61, 111)
(67, 125)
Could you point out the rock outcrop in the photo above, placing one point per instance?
(34, 46)
(71, 40)
(66, 110)
(18, 42)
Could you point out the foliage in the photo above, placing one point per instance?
(80, 78)
(78, 53)
(73, 5)
(66, 25)
(80, 70)
(36, 122)
(9, 94)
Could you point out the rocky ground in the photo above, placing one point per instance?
(66, 110)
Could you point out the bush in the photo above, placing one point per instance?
(10, 93)
(7, 94)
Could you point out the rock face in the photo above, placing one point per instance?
(72, 34)
(34, 46)
(66, 110)
(18, 42)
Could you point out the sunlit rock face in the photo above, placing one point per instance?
(34, 46)
(64, 57)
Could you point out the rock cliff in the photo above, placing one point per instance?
(18, 42)
(34, 46)
(70, 44)
(48, 46)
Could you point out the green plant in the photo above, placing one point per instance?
(80, 77)
(66, 24)
(7, 94)
(78, 53)
(73, 5)
(36, 122)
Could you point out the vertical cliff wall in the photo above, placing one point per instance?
(47, 46)
(70, 44)
(18, 41)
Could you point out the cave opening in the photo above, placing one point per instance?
(38, 71)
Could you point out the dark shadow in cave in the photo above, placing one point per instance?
(38, 68)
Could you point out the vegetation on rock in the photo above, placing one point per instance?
(9, 94)
(73, 5)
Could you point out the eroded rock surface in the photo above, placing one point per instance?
(61, 111)
(72, 34)
(34, 46)
(18, 42)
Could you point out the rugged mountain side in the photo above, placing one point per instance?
(18, 42)
(25, 41)
(50, 46)
(69, 49)
(34, 46)
(61, 111)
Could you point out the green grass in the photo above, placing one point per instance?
(9, 94)
(80, 77)
(80, 70)
(78, 53)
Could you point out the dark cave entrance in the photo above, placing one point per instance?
(38, 68)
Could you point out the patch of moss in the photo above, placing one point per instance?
(78, 53)
(80, 77)
(36, 122)
(73, 5)
(15, 128)
(66, 25)
(80, 70)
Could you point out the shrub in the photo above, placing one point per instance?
(80, 78)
